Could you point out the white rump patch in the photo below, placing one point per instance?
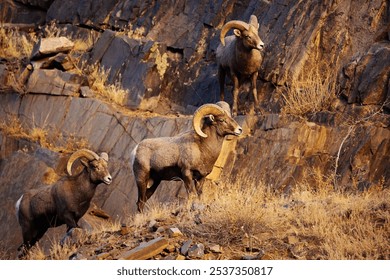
(17, 207)
(133, 154)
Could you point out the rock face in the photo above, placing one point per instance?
(163, 54)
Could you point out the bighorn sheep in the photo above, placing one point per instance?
(239, 56)
(64, 202)
(189, 156)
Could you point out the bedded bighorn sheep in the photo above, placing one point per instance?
(189, 156)
(239, 56)
(64, 202)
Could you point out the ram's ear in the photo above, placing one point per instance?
(209, 118)
(237, 32)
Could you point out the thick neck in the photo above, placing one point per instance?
(241, 47)
(213, 143)
(84, 187)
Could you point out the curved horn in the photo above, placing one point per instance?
(207, 109)
(238, 24)
(88, 154)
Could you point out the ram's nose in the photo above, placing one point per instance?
(238, 131)
(260, 45)
(108, 179)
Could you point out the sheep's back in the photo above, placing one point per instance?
(224, 53)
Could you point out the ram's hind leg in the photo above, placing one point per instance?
(142, 198)
(150, 191)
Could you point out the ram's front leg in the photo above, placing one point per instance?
(199, 186)
(254, 90)
(221, 79)
(236, 88)
(71, 224)
(188, 181)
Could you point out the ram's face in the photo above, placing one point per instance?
(251, 39)
(226, 125)
(99, 171)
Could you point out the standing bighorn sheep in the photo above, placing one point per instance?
(189, 156)
(64, 202)
(239, 56)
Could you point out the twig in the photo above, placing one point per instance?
(338, 154)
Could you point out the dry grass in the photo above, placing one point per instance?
(72, 244)
(311, 92)
(134, 33)
(52, 30)
(56, 142)
(98, 82)
(310, 223)
(313, 222)
(15, 44)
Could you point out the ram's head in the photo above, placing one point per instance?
(97, 165)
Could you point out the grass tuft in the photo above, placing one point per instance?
(15, 44)
(311, 92)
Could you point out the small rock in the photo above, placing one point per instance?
(86, 91)
(185, 247)
(174, 232)
(103, 256)
(147, 250)
(291, 239)
(196, 251)
(160, 229)
(254, 257)
(171, 248)
(215, 248)
(153, 225)
(99, 213)
(180, 258)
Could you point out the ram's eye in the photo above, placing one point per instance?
(95, 167)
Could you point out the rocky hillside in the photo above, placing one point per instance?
(129, 70)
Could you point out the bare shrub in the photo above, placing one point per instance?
(312, 91)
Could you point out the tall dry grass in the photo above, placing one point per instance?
(314, 221)
(312, 91)
(310, 223)
(98, 79)
(15, 44)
